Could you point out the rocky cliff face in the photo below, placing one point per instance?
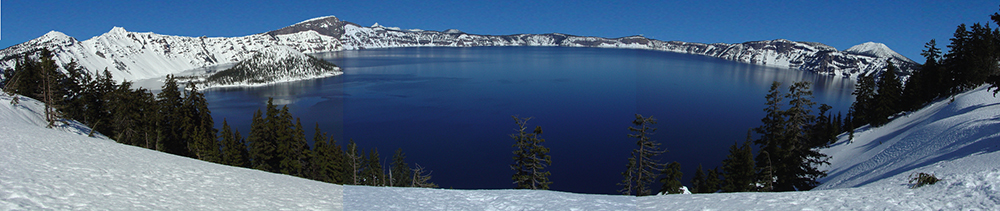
(141, 55)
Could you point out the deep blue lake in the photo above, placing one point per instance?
(450, 109)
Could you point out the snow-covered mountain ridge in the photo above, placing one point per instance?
(63, 169)
(142, 55)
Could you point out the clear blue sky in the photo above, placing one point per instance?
(903, 25)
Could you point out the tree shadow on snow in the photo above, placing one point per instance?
(985, 144)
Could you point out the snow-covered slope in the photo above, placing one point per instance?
(63, 169)
(958, 142)
(143, 55)
(950, 139)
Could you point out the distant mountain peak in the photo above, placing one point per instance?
(877, 50)
(326, 25)
(322, 18)
(117, 30)
(453, 31)
(55, 36)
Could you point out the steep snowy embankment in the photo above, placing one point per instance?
(63, 169)
(956, 140)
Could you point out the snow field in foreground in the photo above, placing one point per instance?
(61, 168)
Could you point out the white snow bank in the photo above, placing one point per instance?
(43, 168)
(392, 198)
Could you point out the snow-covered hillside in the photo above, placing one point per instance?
(40, 168)
(958, 142)
(144, 55)
(272, 65)
(63, 169)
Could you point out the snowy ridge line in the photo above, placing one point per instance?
(143, 55)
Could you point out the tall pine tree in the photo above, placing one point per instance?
(530, 158)
(400, 171)
(643, 166)
(738, 169)
(770, 137)
(887, 100)
(170, 119)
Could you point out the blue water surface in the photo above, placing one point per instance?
(450, 109)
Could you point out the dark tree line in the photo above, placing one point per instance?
(178, 121)
(789, 138)
(970, 62)
(788, 143)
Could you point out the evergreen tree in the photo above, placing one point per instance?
(837, 129)
(126, 114)
(643, 166)
(788, 156)
(235, 150)
(400, 173)
(672, 179)
(983, 55)
(530, 158)
(822, 132)
(50, 76)
(863, 108)
(354, 162)
(74, 90)
(263, 139)
(770, 139)
(628, 177)
(228, 143)
(293, 147)
(917, 90)
(849, 125)
(712, 182)
(888, 97)
(957, 60)
(698, 181)
(169, 135)
(931, 83)
(202, 143)
(372, 173)
(799, 171)
(328, 160)
(994, 78)
(738, 169)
